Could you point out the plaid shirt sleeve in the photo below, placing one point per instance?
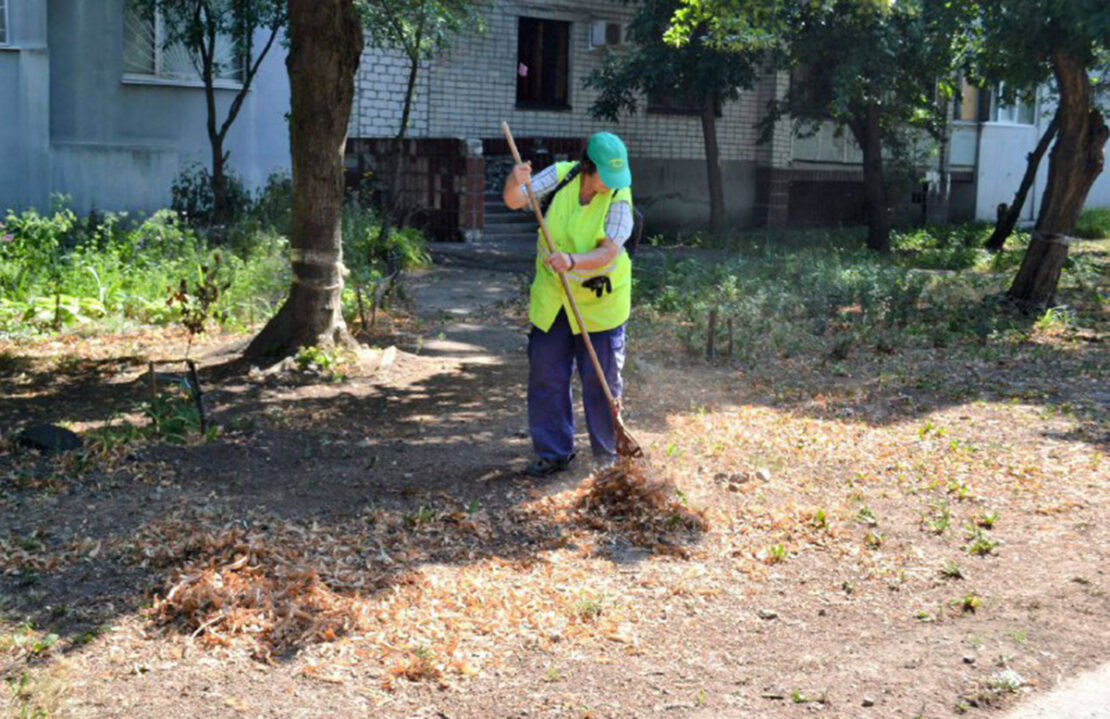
(543, 182)
(618, 223)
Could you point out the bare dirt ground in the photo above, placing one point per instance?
(917, 535)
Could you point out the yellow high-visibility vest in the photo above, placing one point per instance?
(578, 229)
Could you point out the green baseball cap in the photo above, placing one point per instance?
(611, 157)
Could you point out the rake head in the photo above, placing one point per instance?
(627, 446)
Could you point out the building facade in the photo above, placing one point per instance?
(96, 109)
(529, 67)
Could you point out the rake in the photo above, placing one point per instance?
(627, 446)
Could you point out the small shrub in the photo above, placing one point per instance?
(588, 608)
(193, 198)
(980, 544)
(951, 570)
(1094, 224)
(273, 206)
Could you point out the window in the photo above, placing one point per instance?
(543, 64)
(1020, 112)
(145, 54)
(825, 143)
(967, 103)
(3, 22)
(672, 102)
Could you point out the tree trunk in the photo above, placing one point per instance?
(869, 136)
(1077, 159)
(220, 212)
(1005, 226)
(713, 164)
(325, 43)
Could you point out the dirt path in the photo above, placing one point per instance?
(1084, 697)
(825, 583)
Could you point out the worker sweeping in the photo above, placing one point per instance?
(583, 277)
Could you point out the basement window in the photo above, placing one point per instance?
(543, 64)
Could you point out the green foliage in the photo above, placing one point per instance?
(951, 570)
(171, 417)
(819, 293)
(273, 206)
(102, 271)
(194, 199)
(691, 74)
(1017, 41)
(1094, 224)
(327, 362)
(195, 303)
(422, 29)
(375, 261)
(980, 543)
(58, 271)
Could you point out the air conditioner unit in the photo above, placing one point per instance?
(605, 34)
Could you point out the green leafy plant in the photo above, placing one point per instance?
(589, 608)
(987, 519)
(969, 603)
(979, 543)
(938, 517)
(196, 303)
(951, 570)
(327, 362)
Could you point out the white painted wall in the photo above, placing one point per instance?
(1002, 162)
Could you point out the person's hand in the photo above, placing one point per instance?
(522, 173)
(560, 261)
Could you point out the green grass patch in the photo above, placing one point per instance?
(1094, 224)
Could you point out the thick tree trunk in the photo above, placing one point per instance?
(869, 136)
(1077, 159)
(713, 164)
(325, 39)
(1005, 226)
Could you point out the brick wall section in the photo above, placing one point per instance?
(468, 92)
(442, 181)
(380, 95)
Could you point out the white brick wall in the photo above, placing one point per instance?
(380, 95)
(469, 92)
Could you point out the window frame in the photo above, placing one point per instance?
(159, 77)
(5, 38)
(556, 105)
(1012, 111)
(654, 107)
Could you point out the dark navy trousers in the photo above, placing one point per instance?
(551, 359)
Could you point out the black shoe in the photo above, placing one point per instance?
(545, 467)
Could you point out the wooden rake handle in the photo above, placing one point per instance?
(613, 405)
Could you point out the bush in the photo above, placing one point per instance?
(830, 297)
(1094, 224)
(273, 207)
(193, 199)
(58, 271)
